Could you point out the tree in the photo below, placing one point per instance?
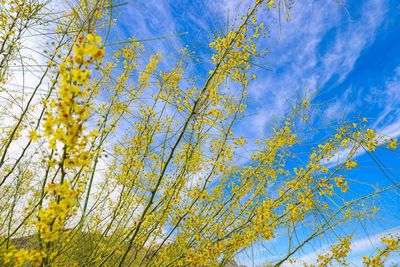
(117, 163)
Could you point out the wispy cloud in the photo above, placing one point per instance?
(315, 51)
(389, 98)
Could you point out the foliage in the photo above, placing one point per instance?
(120, 163)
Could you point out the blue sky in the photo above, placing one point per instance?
(345, 58)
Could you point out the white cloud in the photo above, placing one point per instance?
(389, 98)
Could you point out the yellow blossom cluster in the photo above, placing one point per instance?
(64, 131)
(64, 121)
(392, 244)
(234, 50)
(233, 54)
(22, 257)
(150, 68)
(62, 205)
(338, 252)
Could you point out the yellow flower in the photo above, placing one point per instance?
(350, 164)
(94, 39)
(33, 135)
(392, 144)
(80, 76)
